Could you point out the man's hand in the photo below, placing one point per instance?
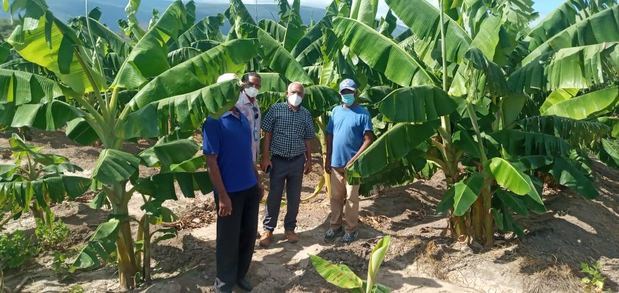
(225, 205)
(265, 163)
(308, 167)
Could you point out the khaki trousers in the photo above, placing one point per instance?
(344, 201)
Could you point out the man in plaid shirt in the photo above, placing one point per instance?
(286, 155)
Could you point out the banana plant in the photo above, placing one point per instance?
(342, 276)
(35, 181)
(142, 97)
(471, 119)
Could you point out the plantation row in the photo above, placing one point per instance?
(470, 89)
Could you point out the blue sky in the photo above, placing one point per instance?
(542, 6)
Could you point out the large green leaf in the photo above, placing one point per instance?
(196, 73)
(99, 30)
(417, 104)
(162, 186)
(423, 20)
(319, 99)
(336, 274)
(466, 192)
(364, 11)
(114, 166)
(48, 42)
(101, 245)
(376, 259)
(276, 57)
(208, 28)
(169, 153)
(610, 154)
(583, 67)
(48, 116)
(598, 28)
(21, 87)
(308, 49)
(148, 58)
(587, 105)
(518, 143)
(189, 110)
(491, 76)
(557, 96)
(567, 14)
(276, 30)
(577, 132)
(512, 179)
(381, 53)
(391, 147)
(567, 174)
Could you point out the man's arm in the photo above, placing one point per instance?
(329, 141)
(225, 205)
(266, 151)
(368, 137)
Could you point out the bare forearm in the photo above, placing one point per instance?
(329, 142)
(308, 149)
(367, 141)
(266, 144)
(215, 175)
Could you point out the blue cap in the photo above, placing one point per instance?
(348, 84)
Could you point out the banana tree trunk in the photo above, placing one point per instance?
(146, 249)
(127, 264)
(323, 148)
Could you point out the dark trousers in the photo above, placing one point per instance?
(288, 173)
(236, 237)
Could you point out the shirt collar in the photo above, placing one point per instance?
(230, 113)
(244, 99)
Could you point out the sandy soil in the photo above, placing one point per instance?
(421, 259)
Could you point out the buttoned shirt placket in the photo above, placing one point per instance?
(252, 112)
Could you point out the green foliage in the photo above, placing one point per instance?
(341, 275)
(594, 280)
(16, 249)
(51, 235)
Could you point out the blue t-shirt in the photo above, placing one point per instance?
(230, 139)
(347, 125)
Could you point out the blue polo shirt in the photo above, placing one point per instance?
(347, 125)
(229, 137)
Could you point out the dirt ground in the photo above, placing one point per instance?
(421, 259)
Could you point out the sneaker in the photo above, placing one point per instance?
(349, 237)
(291, 236)
(331, 234)
(266, 239)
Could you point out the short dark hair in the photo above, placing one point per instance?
(246, 76)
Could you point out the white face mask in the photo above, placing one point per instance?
(252, 92)
(295, 100)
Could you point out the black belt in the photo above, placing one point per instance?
(287, 158)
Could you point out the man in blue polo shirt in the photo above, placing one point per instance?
(227, 144)
(349, 133)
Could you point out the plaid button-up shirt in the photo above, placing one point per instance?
(252, 112)
(290, 129)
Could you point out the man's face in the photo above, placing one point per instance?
(254, 81)
(295, 89)
(347, 91)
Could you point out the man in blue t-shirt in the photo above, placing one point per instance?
(227, 145)
(349, 133)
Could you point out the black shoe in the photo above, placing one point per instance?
(331, 234)
(244, 284)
